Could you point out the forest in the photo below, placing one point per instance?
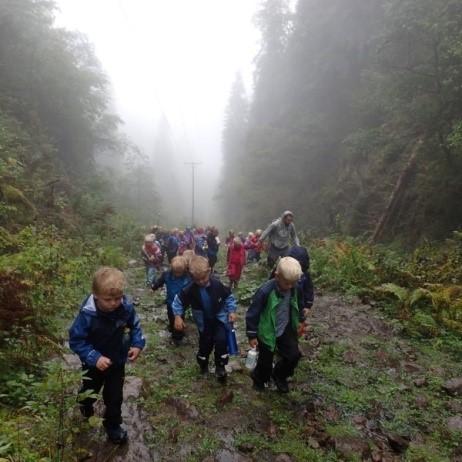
(354, 122)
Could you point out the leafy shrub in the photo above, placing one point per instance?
(425, 285)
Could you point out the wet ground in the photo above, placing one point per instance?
(361, 392)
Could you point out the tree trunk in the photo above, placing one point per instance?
(396, 194)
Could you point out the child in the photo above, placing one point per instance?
(258, 244)
(152, 257)
(213, 244)
(236, 262)
(173, 244)
(304, 284)
(273, 321)
(228, 243)
(250, 247)
(200, 242)
(175, 280)
(188, 237)
(213, 307)
(105, 333)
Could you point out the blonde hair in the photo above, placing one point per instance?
(188, 255)
(198, 265)
(108, 281)
(289, 269)
(179, 263)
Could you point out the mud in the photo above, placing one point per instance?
(161, 433)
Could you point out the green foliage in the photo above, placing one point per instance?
(423, 286)
(45, 427)
(344, 265)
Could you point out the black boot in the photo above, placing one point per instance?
(203, 364)
(281, 384)
(220, 373)
(116, 434)
(258, 385)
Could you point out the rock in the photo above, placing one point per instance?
(226, 397)
(349, 447)
(453, 386)
(454, 406)
(420, 382)
(324, 439)
(312, 443)
(398, 443)
(421, 402)
(350, 357)
(183, 408)
(225, 455)
(455, 423)
(132, 263)
(246, 447)
(236, 365)
(359, 420)
(332, 414)
(71, 362)
(411, 367)
(372, 425)
(283, 458)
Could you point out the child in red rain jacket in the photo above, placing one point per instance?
(152, 258)
(236, 262)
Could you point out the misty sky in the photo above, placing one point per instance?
(177, 57)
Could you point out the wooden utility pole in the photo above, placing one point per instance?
(193, 166)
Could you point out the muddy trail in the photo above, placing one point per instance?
(362, 391)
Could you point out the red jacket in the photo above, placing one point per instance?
(236, 262)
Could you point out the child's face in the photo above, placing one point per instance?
(283, 284)
(201, 279)
(108, 303)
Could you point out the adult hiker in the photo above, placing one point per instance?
(279, 234)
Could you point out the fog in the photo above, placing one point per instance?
(171, 65)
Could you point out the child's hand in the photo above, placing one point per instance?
(253, 342)
(133, 353)
(232, 317)
(179, 323)
(103, 363)
(302, 328)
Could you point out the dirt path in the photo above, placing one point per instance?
(361, 392)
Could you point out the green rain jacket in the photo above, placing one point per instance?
(261, 315)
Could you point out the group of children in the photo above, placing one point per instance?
(107, 330)
(159, 244)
